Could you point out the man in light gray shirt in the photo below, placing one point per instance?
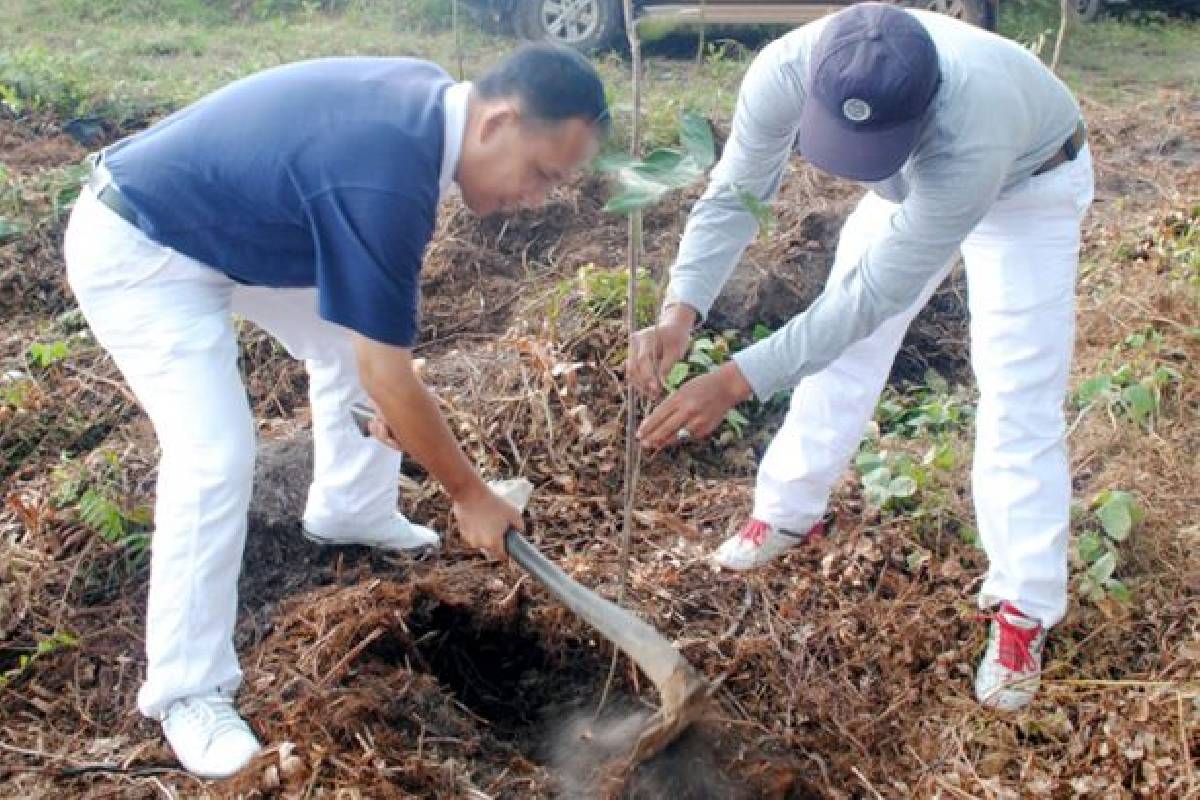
(965, 141)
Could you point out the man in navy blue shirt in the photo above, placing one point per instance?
(301, 198)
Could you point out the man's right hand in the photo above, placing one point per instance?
(484, 518)
(656, 349)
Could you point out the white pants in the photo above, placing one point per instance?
(1021, 262)
(166, 319)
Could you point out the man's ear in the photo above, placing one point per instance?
(496, 117)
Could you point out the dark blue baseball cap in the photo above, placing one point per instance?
(872, 75)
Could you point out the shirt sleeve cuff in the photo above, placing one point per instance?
(760, 369)
(692, 293)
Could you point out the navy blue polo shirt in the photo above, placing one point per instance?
(321, 173)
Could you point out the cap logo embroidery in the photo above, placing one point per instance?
(856, 110)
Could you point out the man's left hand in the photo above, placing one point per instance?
(696, 408)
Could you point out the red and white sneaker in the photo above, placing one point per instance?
(1011, 669)
(758, 542)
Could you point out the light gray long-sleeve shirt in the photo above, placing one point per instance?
(998, 115)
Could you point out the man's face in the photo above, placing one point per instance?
(510, 163)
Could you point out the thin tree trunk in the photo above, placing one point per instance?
(1064, 13)
(632, 452)
(457, 39)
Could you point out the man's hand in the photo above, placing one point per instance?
(409, 419)
(696, 409)
(484, 518)
(655, 350)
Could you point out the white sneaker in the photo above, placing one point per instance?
(1011, 669)
(208, 737)
(396, 533)
(758, 542)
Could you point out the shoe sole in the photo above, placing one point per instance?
(323, 542)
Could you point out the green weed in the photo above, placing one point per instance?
(48, 194)
(94, 488)
(1135, 388)
(930, 409)
(707, 353)
(1117, 513)
(47, 646)
(47, 355)
(603, 291)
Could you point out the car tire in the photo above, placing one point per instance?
(1087, 10)
(981, 13)
(586, 25)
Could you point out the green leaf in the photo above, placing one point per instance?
(1118, 591)
(1103, 568)
(1165, 375)
(1089, 547)
(1140, 400)
(1117, 511)
(696, 136)
(677, 375)
(45, 355)
(613, 161)
(879, 478)
(660, 165)
(940, 456)
(902, 486)
(1135, 340)
(701, 358)
(760, 332)
(736, 420)
(102, 515)
(635, 198)
(970, 536)
(762, 213)
(1123, 375)
(867, 462)
(1093, 388)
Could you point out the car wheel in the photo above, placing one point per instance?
(1087, 10)
(981, 13)
(586, 25)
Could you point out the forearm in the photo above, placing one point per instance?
(411, 414)
(721, 225)
(717, 233)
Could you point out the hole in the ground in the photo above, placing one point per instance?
(499, 671)
(542, 703)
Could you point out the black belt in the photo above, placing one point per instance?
(1068, 152)
(108, 194)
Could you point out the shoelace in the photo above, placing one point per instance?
(214, 715)
(754, 532)
(1014, 650)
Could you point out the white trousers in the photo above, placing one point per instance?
(1021, 262)
(167, 321)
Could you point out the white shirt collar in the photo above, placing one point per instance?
(454, 105)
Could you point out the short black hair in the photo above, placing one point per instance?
(553, 83)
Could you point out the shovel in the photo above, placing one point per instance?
(683, 692)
